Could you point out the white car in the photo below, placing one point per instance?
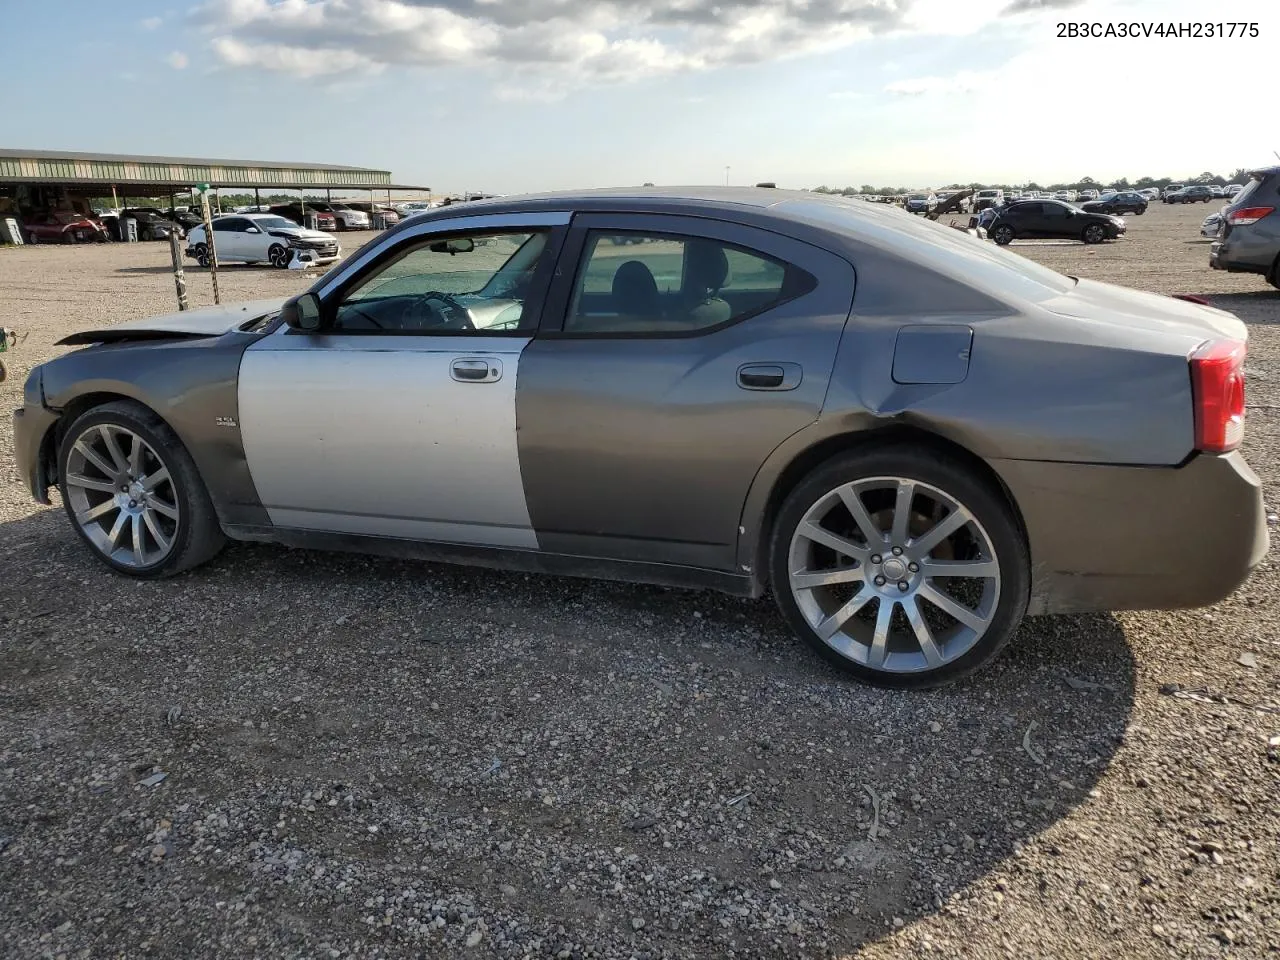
(414, 207)
(262, 237)
(349, 218)
(1231, 189)
(1212, 226)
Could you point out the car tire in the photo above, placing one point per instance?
(1273, 275)
(896, 656)
(170, 527)
(1094, 233)
(201, 252)
(1140, 211)
(32, 239)
(1002, 234)
(278, 256)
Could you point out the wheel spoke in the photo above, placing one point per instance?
(113, 538)
(811, 531)
(808, 579)
(952, 607)
(944, 528)
(169, 510)
(158, 535)
(853, 503)
(924, 636)
(113, 448)
(880, 638)
(93, 457)
(88, 483)
(151, 481)
(135, 457)
(136, 523)
(902, 511)
(828, 627)
(93, 513)
(960, 568)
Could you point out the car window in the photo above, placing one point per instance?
(1055, 211)
(639, 283)
(274, 223)
(1253, 186)
(476, 283)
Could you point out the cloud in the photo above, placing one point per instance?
(536, 45)
(1035, 6)
(966, 81)
(177, 60)
(151, 23)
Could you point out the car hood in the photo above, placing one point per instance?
(301, 232)
(1189, 323)
(204, 322)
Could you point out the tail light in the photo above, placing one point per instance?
(1247, 215)
(1217, 387)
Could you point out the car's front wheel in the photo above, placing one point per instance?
(1003, 234)
(133, 493)
(900, 565)
(1094, 233)
(201, 252)
(278, 256)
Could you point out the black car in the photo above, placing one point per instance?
(1127, 202)
(1052, 219)
(152, 224)
(1196, 193)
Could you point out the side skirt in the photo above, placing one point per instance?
(503, 558)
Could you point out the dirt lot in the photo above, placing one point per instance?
(384, 759)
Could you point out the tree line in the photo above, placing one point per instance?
(1239, 175)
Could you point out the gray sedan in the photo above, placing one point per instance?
(910, 437)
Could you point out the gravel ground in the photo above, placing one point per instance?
(308, 755)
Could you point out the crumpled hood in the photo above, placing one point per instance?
(300, 232)
(204, 322)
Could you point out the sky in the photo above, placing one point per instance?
(510, 96)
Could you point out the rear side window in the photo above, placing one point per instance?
(1254, 188)
(643, 283)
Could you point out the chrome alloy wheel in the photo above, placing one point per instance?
(122, 495)
(279, 256)
(894, 574)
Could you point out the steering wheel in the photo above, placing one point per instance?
(434, 310)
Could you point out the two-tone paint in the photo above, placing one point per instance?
(651, 457)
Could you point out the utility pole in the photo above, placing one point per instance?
(726, 176)
(208, 239)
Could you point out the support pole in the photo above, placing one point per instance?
(179, 279)
(208, 239)
(257, 201)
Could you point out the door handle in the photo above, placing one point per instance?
(476, 369)
(769, 376)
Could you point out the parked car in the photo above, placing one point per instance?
(1026, 464)
(1052, 219)
(390, 216)
(1211, 226)
(346, 217)
(293, 211)
(184, 218)
(1170, 189)
(1128, 202)
(921, 203)
(1067, 195)
(1086, 195)
(1216, 190)
(1231, 189)
(1151, 193)
(63, 226)
(1196, 193)
(1249, 241)
(152, 225)
(262, 238)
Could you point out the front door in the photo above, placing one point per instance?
(397, 418)
(676, 353)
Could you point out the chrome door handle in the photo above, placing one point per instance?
(769, 376)
(476, 369)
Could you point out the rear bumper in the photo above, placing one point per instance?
(1138, 538)
(1242, 250)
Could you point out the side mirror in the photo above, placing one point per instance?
(253, 230)
(302, 312)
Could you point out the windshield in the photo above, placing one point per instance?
(275, 223)
(917, 196)
(954, 253)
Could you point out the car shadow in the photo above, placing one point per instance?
(502, 741)
(1252, 306)
(192, 266)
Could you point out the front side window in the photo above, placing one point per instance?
(461, 284)
(637, 283)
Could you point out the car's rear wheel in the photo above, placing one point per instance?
(1273, 276)
(1094, 233)
(278, 256)
(201, 252)
(133, 493)
(1003, 234)
(900, 565)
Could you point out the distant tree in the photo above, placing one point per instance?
(1088, 182)
(1239, 175)
(1034, 186)
(866, 188)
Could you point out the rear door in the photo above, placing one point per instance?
(675, 354)
(229, 238)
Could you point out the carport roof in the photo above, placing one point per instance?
(93, 171)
